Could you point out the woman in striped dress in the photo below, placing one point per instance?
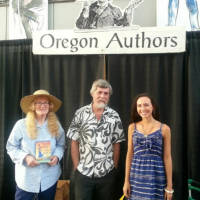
(148, 173)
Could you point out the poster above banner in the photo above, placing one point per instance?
(110, 41)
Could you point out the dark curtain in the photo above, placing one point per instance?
(172, 79)
(11, 61)
(67, 77)
(193, 107)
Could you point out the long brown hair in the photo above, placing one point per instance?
(135, 117)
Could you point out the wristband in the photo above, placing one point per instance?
(169, 191)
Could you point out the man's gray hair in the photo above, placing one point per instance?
(102, 84)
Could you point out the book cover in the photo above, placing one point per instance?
(43, 151)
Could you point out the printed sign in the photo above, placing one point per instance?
(114, 41)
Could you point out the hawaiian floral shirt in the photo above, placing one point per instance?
(96, 139)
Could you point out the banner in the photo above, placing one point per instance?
(114, 41)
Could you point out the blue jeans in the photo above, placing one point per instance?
(48, 194)
(87, 188)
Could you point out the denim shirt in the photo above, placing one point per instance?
(43, 176)
(96, 139)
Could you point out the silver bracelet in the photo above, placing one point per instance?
(169, 191)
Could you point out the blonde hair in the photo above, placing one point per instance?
(52, 122)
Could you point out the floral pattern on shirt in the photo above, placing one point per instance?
(96, 139)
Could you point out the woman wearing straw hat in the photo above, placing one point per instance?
(36, 145)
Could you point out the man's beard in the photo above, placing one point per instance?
(101, 105)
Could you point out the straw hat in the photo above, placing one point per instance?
(27, 100)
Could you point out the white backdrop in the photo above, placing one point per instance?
(63, 15)
(26, 17)
(182, 17)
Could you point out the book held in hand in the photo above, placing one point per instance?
(43, 151)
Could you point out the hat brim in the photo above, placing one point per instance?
(27, 100)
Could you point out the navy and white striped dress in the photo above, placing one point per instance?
(147, 175)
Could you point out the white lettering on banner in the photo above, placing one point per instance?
(113, 41)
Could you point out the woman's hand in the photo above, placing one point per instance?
(126, 190)
(168, 194)
(54, 161)
(31, 161)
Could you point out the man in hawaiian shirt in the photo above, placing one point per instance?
(96, 132)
